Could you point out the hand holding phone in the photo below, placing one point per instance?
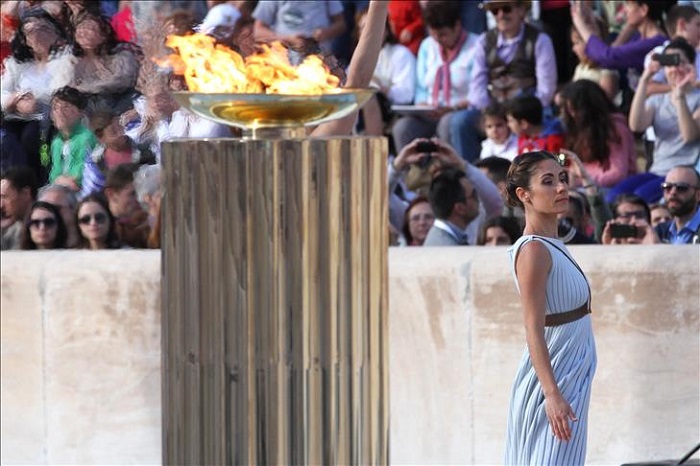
(621, 230)
(426, 147)
(667, 59)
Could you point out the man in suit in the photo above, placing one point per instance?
(455, 203)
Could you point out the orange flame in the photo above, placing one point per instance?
(213, 68)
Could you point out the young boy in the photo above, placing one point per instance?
(499, 142)
(525, 118)
(74, 141)
(114, 148)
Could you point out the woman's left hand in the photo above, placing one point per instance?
(559, 413)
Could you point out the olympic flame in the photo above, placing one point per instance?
(213, 68)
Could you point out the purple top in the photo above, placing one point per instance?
(545, 67)
(629, 55)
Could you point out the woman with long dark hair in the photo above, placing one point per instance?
(44, 228)
(597, 133)
(96, 224)
(106, 69)
(38, 66)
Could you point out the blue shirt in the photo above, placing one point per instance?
(669, 233)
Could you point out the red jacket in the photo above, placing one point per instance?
(407, 15)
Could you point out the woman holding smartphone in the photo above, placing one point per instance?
(548, 417)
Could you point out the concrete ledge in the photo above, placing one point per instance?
(80, 359)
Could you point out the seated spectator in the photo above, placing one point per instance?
(105, 69)
(165, 120)
(511, 60)
(221, 13)
(499, 231)
(597, 133)
(659, 214)
(73, 142)
(500, 141)
(66, 201)
(608, 79)
(456, 204)
(682, 195)
(675, 117)
(147, 183)
(114, 148)
(17, 193)
(644, 15)
(12, 154)
(394, 77)
(96, 224)
(488, 200)
(38, 66)
(45, 228)
(418, 220)
(299, 24)
(131, 222)
(592, 196)
(575, 224)
(682, 21)
(496, 169)
(630, 210)
(406, 23)
(443, 68)
(526, 120)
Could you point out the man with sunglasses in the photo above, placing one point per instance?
(513, 59)
(682, 197)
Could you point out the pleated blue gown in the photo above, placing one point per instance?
(572, 352)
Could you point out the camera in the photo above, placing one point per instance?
(618, 230)
(671, 59)
(426, 147)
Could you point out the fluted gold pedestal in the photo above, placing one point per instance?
(275, 302)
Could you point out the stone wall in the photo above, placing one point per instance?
(80, 359)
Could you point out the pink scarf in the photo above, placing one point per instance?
(442, 77)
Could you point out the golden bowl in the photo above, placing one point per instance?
(251, 111)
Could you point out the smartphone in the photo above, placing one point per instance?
(670, 59)
(426, 147)
(618, 230)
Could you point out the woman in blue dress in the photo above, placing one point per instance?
(548, 417)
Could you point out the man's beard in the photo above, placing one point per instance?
(683, 208)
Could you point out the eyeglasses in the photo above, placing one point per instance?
(638, 214)
(680, 187)
(99, 218)
(45, 222)
(504, 8)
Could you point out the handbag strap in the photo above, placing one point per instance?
(590, 295)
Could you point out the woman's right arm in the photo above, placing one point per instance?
(641, 117)
(532, 267)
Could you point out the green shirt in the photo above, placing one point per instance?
(68, 155)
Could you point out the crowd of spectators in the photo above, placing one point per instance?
(462, 89)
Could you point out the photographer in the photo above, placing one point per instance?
(632, 222)
(435, 156)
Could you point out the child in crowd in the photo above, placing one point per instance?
(499, 142)
(526, 119)
(73, 142)
(115, 148)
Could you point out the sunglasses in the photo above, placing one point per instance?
(99, 218)
(504, 8)
(46, 222)
(680, 187)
